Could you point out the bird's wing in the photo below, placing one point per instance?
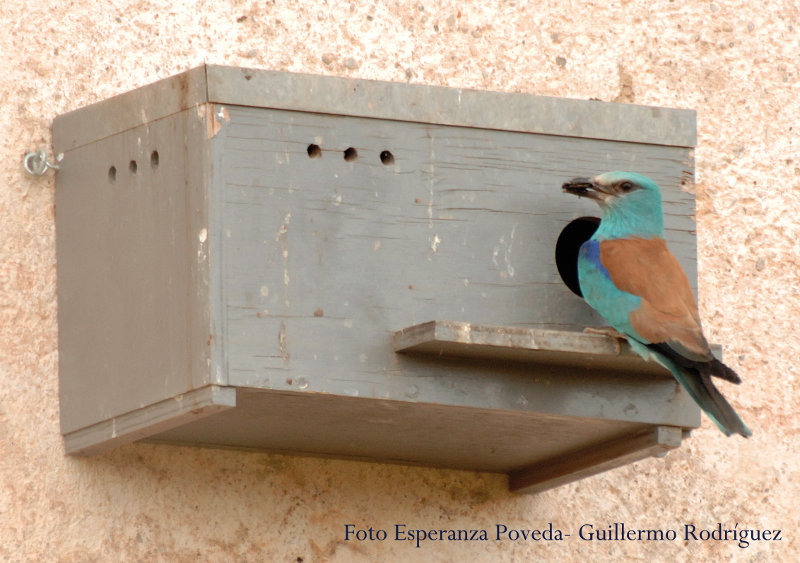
(668, 312)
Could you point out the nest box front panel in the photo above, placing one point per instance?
(336, 231)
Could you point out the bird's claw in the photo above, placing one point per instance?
(610, 332)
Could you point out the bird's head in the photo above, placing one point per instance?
(631, 203)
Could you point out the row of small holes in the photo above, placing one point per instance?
(350, 154)
(133, 167)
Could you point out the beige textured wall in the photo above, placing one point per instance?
(736, 63)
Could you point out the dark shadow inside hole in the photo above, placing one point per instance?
(112, 174)
(387, 157)
(568, 246)
(314, 151)
(154, 160)
(133, 167)
(350, 154)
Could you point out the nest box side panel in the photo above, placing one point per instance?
(133, 261)
(337, 231)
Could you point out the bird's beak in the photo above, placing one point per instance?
(586, 187)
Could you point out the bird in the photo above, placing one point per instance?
(628, 275)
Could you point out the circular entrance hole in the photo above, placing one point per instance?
(569, 245)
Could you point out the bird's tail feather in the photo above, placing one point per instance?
(712, 367)
(705, 394)
(718, 369)
(698, 384)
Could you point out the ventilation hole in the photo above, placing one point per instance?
(154, 160)
(350, 154)
(568, 246)
(112, 174)
(133, 167)
(387, 158)
(314, 151)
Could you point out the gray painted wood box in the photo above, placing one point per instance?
(356, 269)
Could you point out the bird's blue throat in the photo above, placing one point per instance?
(636, 214)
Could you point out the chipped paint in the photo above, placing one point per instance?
(217, 116)
(202, 250)
(282, 239)
(435, 241)
(505, 245)
(282, 345)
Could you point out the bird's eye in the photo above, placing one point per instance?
(626, 186)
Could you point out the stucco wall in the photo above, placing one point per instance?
(736, 63)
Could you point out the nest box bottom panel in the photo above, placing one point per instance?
(537, 451)
(542, 444)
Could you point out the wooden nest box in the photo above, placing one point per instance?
(356, 269)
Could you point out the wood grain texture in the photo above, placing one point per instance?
(323, 258)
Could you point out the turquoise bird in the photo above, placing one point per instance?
(629, 276)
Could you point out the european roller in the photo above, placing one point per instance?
(630, 277)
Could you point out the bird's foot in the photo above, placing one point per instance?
(611, 332)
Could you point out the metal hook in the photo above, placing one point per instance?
(36, 163)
